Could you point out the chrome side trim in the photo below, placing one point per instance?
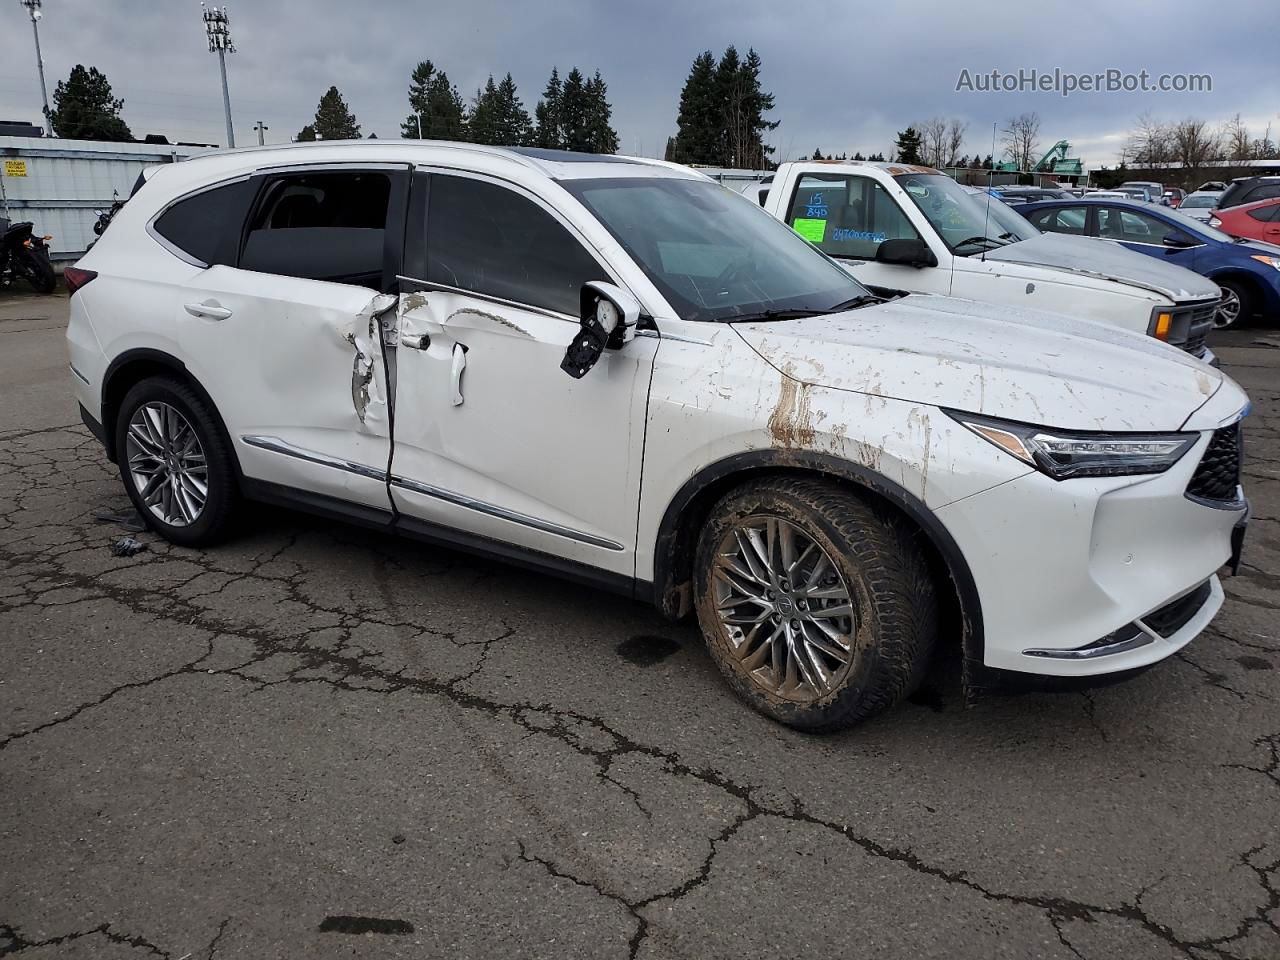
(78, 373)
(659, 335)
(430, 285)
(1093, 653)
(276, 445)
(502, 513)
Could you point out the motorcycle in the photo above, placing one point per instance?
(25, 256)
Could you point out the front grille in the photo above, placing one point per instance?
(1217, 476)
(1191, 324)
(1172, 617)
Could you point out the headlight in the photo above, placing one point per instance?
(1269, 261)
(1068, 453)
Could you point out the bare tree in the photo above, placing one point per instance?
(1021, 139)
(1150, 142)
(955, 138)
(1194, 143)
(1236, 142)
(933, 141)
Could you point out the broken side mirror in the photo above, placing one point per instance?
(608, 319)
(909, 252)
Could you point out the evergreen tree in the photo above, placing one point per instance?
(85, 109)
(436, 104)
(484, 120)
(908, 146)
(516, 126)
(549, 127)
(670, 152)
(698, 124)
(307, 134)
(859, 156)
(816, 155)
(600, 136)
(751, 105)
(573, 112)
(876, 158)
(333, 120)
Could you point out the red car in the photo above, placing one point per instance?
(1256, 221)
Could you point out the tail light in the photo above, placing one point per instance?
(1215, 222)
(75, 278)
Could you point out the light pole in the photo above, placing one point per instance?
(217, 24)
(33, 9)
(262, 128)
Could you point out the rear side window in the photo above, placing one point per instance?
(321, 226)
(847, 216)
(1060, 219)
(490, 240)
(206, 225)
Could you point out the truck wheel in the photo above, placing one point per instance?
(175, 463)
(1236, 306)
(818, 609)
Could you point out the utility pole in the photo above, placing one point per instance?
(262, 128)
(33, 9)
(217, 25)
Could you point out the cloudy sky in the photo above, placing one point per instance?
(846, 76)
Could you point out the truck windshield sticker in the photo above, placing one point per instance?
(845, 233)
(812, 230)
(817, 206)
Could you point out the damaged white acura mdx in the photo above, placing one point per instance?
(620, 372)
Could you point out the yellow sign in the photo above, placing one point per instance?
(15, 168)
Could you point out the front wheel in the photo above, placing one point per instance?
(1235, 307)
(175, 463)
(38, 269)
(819, 609)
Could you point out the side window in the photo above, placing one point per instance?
(491, 240)
(1265, 214)
(1131, 226)
(1264, 192)
(1060, 219)
(847, 216)
(321, 226)
(206, 226)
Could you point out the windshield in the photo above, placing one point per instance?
(1009, 219)
(960, 218)
(1199, 202)
(713, 254)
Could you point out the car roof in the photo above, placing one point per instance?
(554, 164)
(888, 166)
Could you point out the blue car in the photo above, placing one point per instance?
(1248, 271)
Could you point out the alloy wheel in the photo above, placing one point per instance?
(1228, 311)
(167, 463)
(785, 606)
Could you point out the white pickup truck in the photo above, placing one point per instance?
(908, 227)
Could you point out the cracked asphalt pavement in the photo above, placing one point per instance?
(317, 741)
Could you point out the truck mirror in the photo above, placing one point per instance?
(911, 253)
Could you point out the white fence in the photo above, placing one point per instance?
(60, 185)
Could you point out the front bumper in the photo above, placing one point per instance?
(1061, 566)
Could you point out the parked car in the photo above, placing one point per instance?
(625, 374)
(1110, 194)
(1028, 194)
(1249, 190)
(1173, 196)
(1259, 220)
(1200, 204)
(951, 246)
(1153, 192)
(1212, 186)
(1248, 272)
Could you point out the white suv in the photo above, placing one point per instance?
(620, 372)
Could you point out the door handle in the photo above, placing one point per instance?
(207, 311)
(459, 364)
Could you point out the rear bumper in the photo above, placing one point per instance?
(98, 431)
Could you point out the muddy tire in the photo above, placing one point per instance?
(818, 608)
(175, 463)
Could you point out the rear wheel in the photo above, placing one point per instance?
(39, 271)
(1235, 307)
(175, 463)
(818, 609)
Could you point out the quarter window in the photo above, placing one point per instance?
(321, 226)
(490, 240)
(1060, 219)
(847, 216)
(1266, 214)
(206, 225)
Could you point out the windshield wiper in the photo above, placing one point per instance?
(767, 315)
(991, 240)
(859, 301)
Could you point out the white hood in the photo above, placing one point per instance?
(1028, 365)
(1106, 260)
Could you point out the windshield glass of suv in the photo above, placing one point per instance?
(958, 216)
(713, 254)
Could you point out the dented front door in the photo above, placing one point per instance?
(296, 369)
(493, 439)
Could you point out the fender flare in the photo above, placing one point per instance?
(667, 560)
